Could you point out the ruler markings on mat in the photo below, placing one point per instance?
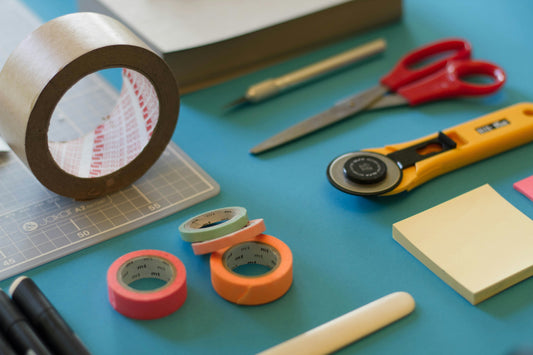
(36, 225)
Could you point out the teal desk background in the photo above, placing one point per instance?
(344, 254)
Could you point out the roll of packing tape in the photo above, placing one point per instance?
(246, 290)
(125, 145)
(213, 224)
(144, 264)
(248, 232)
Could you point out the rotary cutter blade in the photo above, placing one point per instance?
(364, 173)
(401, 167)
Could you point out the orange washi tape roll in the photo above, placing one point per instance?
(248, 232)
(144, 264)
(246, 290)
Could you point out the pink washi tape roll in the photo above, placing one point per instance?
(144, 264)
(248, 232)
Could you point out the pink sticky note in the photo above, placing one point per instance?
(525, 187)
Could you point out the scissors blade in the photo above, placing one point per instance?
(391, 100)
(341, 110)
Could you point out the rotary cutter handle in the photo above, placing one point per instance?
(401, 167)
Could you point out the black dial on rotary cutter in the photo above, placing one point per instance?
(365, 169)
(362, 173)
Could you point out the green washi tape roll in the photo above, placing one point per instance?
(213, 224)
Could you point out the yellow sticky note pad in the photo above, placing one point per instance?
(478, 243)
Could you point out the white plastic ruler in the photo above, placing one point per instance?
(36, 225)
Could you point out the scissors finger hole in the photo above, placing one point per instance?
(477, 72)
(426, 61)
(478, 79)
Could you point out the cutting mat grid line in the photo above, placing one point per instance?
(48, 226)
(36, 225)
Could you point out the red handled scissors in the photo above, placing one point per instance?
(407, 83)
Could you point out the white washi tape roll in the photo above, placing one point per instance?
(122, 148)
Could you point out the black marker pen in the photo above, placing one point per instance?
(45, 319)
(5, 347)
(17, 328)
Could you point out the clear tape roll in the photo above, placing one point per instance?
(121, 149)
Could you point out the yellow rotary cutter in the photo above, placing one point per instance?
(401, 167)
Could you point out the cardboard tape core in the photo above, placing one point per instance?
(251, 253)
(146, 267)
(52, 60)
(121, 136)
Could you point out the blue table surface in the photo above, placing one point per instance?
(344, 254)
